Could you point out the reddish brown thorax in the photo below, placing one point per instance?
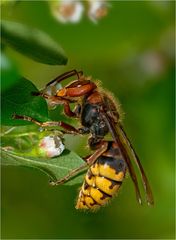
(95, 98)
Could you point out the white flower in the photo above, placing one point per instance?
(51, 146)
(97, 10)
(67, 10)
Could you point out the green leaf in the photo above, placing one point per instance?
(32, 43)
(19, 99)
(55, 168)
(21, 146)
(9, 73)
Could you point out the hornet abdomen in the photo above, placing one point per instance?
(103, 180)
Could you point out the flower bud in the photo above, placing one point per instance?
(51, 146)
(97, 10)
(67, 10)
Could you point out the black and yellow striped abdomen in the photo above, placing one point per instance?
(102, 181)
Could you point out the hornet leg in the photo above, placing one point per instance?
(89, 161)
(69, 129)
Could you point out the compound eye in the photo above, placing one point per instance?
(58, 86)
(52, 90)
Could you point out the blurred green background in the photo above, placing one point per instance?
(131, 51)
